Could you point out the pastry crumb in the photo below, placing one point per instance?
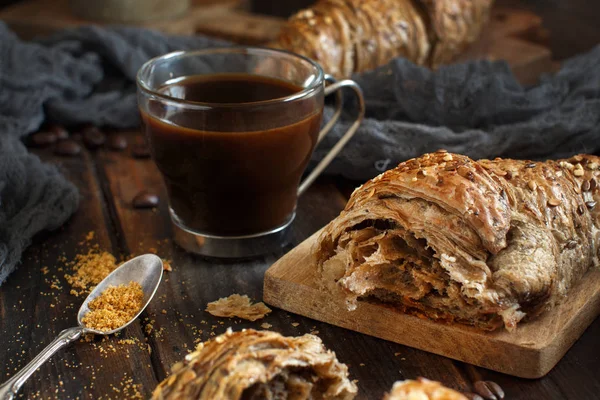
(266, 325)
(115, 307)
(238, 306)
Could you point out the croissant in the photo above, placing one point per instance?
(422, 389)
(253, 365)
(348, 36)
(484, 243)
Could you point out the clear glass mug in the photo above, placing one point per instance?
(233, 169)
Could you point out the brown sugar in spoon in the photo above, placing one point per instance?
(146, 270)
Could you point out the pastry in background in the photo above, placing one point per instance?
(484, 243)
(422, 389)
(349, 36)
(253, 365)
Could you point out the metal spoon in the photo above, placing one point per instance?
(147, 270)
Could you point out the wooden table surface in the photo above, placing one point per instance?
(35, 304)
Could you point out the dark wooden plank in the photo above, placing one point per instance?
(572, 24)
(35, 306)
(196, 281)
(574, 377)
(32, 18)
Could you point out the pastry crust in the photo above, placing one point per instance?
(484, 243)
(254, 365)
(422, 389)
(455, 25)
(238, 306)
(349, 36)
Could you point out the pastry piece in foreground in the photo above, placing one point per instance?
(252, 365)
(485, 243)
(422, 389)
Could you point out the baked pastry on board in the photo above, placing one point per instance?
(422, 389)
(252, 365)
(348, 36)
(485, 243)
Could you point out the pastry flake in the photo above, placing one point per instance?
(238, 306)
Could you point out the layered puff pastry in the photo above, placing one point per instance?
(349, 36)
(422, 389)
(485, 243)
(253, 365)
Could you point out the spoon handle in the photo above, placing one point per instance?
(9, 389)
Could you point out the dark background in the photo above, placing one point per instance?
(574, 25)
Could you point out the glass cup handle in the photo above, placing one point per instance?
(335, 86)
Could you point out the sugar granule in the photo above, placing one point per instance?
(115, 306)
(89, 270)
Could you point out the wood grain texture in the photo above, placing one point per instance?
(32, 18)
(195, 281)
(530, 352)
(131, 11)
(35, 305)
(509, 36)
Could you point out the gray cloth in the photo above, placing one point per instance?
(80, 76)
(477, 108)
(86, 75)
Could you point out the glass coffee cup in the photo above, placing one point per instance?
(232, 131)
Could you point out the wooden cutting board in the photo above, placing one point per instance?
(529, 352)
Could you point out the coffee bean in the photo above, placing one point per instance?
(93, 137)
(140, 150)
(60, 131)
(42, 139)
(67, 147)
(145, 199)
(117, 142)
(489, 390)
(473, 396)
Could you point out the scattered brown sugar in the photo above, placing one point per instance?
(238, 306)
(89, 270)
(115, 306)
